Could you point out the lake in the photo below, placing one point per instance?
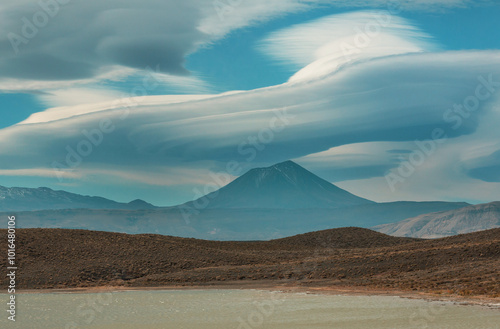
(238, 309)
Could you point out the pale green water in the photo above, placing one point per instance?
(239, 309)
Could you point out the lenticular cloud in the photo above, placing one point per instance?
(325, 45)
(394, 88)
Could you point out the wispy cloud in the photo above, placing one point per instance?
(327, 44)
(37, 172)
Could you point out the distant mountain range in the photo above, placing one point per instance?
(228, 224)
(43, 198)
(447, 223)
(265, 203)
(285, 185)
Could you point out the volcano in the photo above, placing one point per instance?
(285, 185)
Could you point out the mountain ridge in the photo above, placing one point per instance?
(44, 198)
(228, 224)
(468, 219)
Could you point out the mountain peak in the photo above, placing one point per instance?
(140, 204)
(285, 185)
(282, 166)
(286, 165)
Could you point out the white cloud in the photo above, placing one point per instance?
(327, 44)
(77, 96)
(37, 172)
(130, 103)
(223, 16)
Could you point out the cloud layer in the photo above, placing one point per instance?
(50, 41)
(394, 90)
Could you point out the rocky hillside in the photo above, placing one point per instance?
(57, 258)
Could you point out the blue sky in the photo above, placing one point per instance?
(356, 127)
(18, 107)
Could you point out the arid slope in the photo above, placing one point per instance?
(58, 258)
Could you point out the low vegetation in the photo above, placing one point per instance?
(467, 265)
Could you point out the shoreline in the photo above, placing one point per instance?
(482, 301)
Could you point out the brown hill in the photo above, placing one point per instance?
(58, 258)
(348, 237)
